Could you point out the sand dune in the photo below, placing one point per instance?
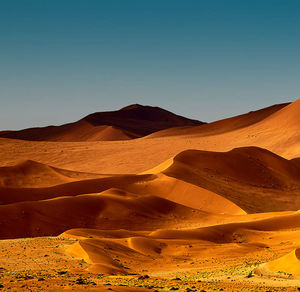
(9, 195)
(35, 174)
(32, 174)
(253, 178)
(93, 252)
(288, 265)
(223, 126)
(246, 179)
(225, 233)
(112, 209)
(187, 194)
(99, 248)
(287, 117)
(128, 123)
(78, 131)
(129, 250)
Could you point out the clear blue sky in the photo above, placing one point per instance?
(205, 59)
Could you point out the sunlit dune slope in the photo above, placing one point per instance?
(225, 125)
(287, 265)
(187, 194)
(287, 118)
(130, 122)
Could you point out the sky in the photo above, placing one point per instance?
(205, 59)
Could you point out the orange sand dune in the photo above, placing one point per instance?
(102, 252)
(157, 185)
(225, 233)
(78, 131)
(287, 117)
(255, 179)
(112, 209)
(275, 128)
(9, 195)
(34, 174)
(130, 122)
(98, 233)
(100, 247)
(93, 251)
(223, 126)
(288, 265)
(185, 194)
(245, 179)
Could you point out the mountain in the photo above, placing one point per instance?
(130, 122)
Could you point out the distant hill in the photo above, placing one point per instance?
(130, 122)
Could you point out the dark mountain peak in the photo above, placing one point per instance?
(133, 106)
(134, 120)
(140, 119)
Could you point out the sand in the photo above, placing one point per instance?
(190, 208)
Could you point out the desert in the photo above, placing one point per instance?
(149, 146)
(141, 199)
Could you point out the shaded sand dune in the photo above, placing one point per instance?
(287, 265)
(34, 174)
(130, 122)
(112, 209)
(223, 126)
(13, 195)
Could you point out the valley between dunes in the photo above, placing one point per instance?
(171, 204)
